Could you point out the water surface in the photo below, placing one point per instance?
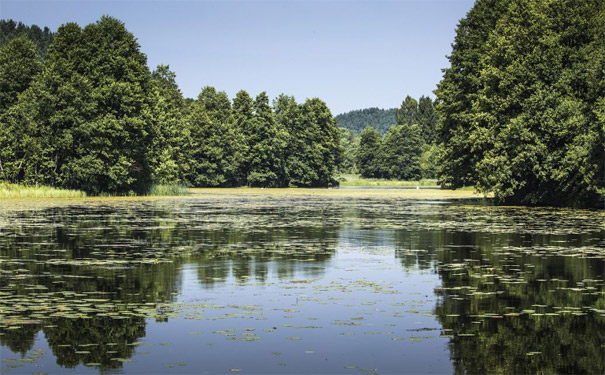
(279, 284)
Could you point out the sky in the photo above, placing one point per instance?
(352, 54)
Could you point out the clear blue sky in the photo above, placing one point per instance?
(351, 54)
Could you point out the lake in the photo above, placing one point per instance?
(275, 284)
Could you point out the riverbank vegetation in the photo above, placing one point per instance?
(173, 190)
(91, 116)
(20, 191)
(356, 180)
(522, 106)
(519, 114)
(405, 152)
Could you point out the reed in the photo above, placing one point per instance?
(8, 190)
(168, 190)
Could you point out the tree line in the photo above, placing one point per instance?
(522, 106)
(42, 38)
(357, 120)
(406, 151)
(90, 115)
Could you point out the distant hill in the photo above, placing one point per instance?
(356, 121)
(42, 38)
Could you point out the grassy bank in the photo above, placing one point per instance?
(20, 191)
(297, 195)
(16, 192)
(278, 193)
(354, 180)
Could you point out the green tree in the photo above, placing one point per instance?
(171, 136)
(426, 118)
(111, 151)
(349, 144)
(457, 91)
(368, 160)
(546, 143)
(90, 112)
(322, 136)
(242, 112)
(42, 38)
(408, 112)
(531, 130)
(428, 161)
(289, 116)
(357, 120)
(57, 101)
(400, 153)
(18, 66)
(267, 141)
(217, 144)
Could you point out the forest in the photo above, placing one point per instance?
(405, 152)
(90, 115)
(519, 113)
(357, 120)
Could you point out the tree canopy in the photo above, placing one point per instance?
(91, 116)
(357, 120)
(522, 104)
(41, 38)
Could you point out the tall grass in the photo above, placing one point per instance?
(21, 191)
(353, 180)
(168, 190)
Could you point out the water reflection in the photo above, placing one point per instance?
(523, 303)
(86, 276)
(521, 291)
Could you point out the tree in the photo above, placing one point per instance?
(408, 112)
(217, 144)
(267, 141)
(400, 153)
(171, 136)
(350, 145)
(457, 91)
(426, 118)
(118, 135)
(368, 160)
(90, 112)
(41, 38)
(529, 131)
(428, 161)
(323, 138)
(58, 100)
(18, 66)
(289, 116)
(541, 140)
(356, 121)
(242, 112)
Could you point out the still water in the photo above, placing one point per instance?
(275, 285)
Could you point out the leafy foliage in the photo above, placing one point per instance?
(400, 153)
(18, 66)
(521, 104)
(404, 152)
(91, 116)
(350, 145)
(88, 112)
(368, 158)
(171, 136)
(356, 121)
(42, 38)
